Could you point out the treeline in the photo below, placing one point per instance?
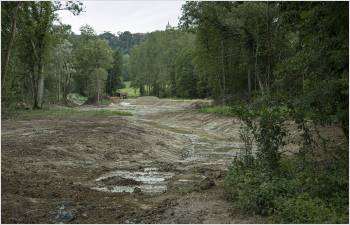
(278, 53)
(43, 61)
(163, 66)
(236, 51)
(123, 42)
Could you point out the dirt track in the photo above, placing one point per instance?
(175, 157)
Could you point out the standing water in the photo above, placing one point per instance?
(150, 180)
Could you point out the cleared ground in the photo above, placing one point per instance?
(164, 164)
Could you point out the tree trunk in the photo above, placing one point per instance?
(223, 72)
(269, 45)
(34, 88)
(257, 75)
(59, 85)
(98, 96)
(66, 83)
(249, 85)
(41, 85)
(9, 45)
(142, 90)
(66, 87)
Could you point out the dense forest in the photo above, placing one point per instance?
(230, 51)
(43, 60)
(237, 51)
(264, 62)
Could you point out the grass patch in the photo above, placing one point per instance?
(180, 99)
(221, 110)
(241, 110)
(104, 102)
(131, 91)
(65, 113)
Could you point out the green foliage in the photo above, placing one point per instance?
(162, 65)
(33, 31)
(268, 132)
(114, 79)
(66, 113)
(123, 41)
(304, 209)
(131, 91)
(290, 197)
(61, 71)
(299, 189)
(93, 58)
(96, 83)
(223, 110)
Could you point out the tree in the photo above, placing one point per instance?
(155, 66)
(10, 10)
(62, 69)
(36, 31)
(97, 83)
(34, 23)
(114, 78)
(92, 54)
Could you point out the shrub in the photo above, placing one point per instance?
(240, 185)
(299, 189)
(324, 198)
(304, 209)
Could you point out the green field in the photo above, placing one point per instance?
(132, 92)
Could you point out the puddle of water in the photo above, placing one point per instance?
(184, 180)
(130, 189)
(150, 180)
(124, 103)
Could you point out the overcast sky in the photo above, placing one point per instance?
(134, 16)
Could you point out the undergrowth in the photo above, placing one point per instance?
(65, 113)
(306, 187)
(222, 110)
(294, 195)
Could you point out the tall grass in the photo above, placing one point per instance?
(64, 113)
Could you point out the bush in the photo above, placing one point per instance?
(324, 198)
(240, 186)
(302, 188)
(234, 111)
(304, 209)
(268, 190)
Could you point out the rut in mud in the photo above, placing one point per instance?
(164, 164)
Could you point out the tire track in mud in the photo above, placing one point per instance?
(195, 193)
(49, 163)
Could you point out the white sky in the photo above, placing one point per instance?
(133, 16)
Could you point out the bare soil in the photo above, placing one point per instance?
(50, 163)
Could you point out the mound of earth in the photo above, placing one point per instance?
(146, 100)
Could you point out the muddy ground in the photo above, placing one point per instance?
(164, 164)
